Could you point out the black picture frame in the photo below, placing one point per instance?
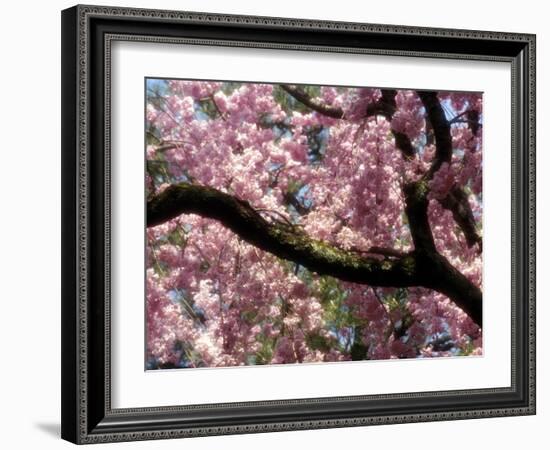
(87, 416)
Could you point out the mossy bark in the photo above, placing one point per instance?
(423, 268)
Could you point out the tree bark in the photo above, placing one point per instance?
(423, 267)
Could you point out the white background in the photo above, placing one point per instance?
(30, 225)
(133, 387)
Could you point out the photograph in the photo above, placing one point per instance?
(294, 224)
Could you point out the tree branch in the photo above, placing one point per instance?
(416, 208)
(300, 95)
(419, 268)
(433, 269)
(387, 107)
(282, 240)
(456, 201)
(441, 128)
(388, 252)
(290, 199)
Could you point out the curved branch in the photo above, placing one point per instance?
(422, 267)
(280, 239)
(416, 208)
(442, 130)
(300, 95)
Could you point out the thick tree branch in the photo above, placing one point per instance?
(416, 208)
(419, 268)
(441, 128)
(445, 278)
(389, 252)
(280, 239)
(433, 269)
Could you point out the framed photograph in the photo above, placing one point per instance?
(279, 224)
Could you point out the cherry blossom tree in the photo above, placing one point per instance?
(294, 224)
